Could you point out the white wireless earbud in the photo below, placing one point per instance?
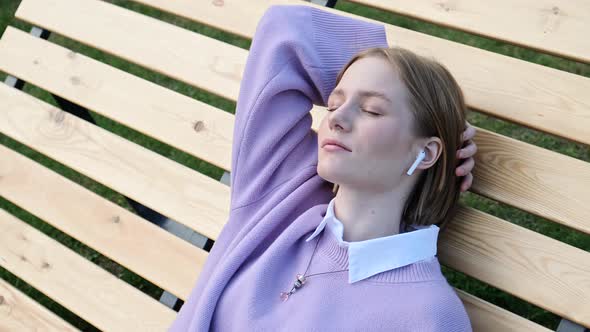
(420, 157)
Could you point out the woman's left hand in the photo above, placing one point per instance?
(466, 155)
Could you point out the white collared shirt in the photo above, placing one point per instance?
(369, 257)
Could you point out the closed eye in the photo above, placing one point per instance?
(373, 113)
(364, 110)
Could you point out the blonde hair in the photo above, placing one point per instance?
(438, 107)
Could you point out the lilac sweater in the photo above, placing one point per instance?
(278, 200)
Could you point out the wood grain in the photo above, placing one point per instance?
(170, 188)
(546, 26)
(486, 317)
(158, 256)
(19, 313)
(80, 286)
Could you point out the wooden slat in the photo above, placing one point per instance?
(20, 313)
(177, 47)
(529, 23)
(538, 269)
(173, 264)
(545, 27)
(169, 116)
(80, 286)
(187, 124)
(236, 17)
(526, 93)
(553, 27)
(170, 188)
(529, 94)
(537, 180)
(486, 317)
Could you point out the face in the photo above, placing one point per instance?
(376, 130)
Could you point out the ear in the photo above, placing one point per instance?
(433, 148)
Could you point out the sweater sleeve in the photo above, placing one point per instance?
(296, 53)
(449, 314)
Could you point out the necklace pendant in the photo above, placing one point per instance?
(299, 282)
(285, 296)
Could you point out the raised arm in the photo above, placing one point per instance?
(296, 53)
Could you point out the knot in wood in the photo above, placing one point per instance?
(59, 116)
(75, 80)
(199, 126)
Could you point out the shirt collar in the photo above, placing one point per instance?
(370, 257)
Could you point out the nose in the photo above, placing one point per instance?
(338, 119)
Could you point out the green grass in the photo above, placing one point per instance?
(457, 279)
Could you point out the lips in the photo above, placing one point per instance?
(335, 142)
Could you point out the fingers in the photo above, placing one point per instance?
(467, 154)
(466, 183)
(469, 133)
(468, 151)
(465, 168)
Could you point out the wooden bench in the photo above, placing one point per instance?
(180, 211)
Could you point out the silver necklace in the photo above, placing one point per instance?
(301, 279)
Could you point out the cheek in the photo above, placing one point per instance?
(382, 139)
(322, 130)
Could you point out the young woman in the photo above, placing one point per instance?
(390, 144)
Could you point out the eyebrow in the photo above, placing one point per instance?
(364, 94)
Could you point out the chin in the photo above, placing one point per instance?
(327, 174)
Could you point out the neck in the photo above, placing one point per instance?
(371, 215)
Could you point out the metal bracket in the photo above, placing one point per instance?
(325, 3)
(569, 326)
(193, 237)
